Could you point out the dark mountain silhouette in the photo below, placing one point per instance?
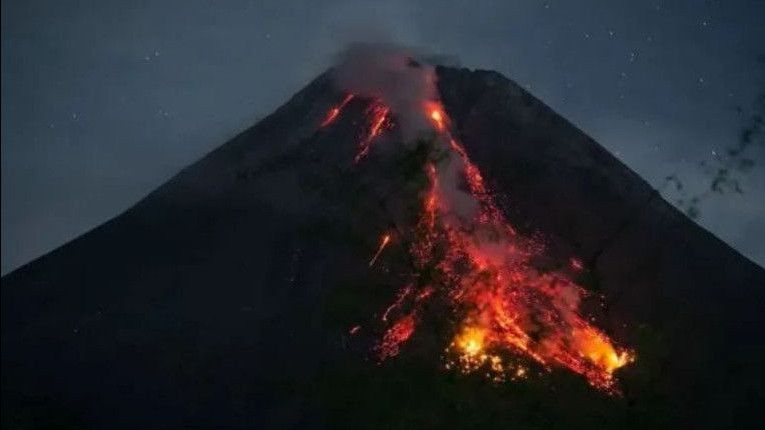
(224, 298)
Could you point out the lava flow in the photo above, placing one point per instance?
(378, 113)
(383, 243)
(509, 314)
(335, 111)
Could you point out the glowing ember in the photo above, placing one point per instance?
(436, 114)
(355, 329)
(424, 294)
(383, 243)
(335, 111)
(399, 333)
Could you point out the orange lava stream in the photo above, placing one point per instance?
(383, 243)
(378, 113)
(335, 111)
(511, 315)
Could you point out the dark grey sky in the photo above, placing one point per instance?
(103, 100)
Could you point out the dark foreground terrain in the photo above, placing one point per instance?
(224, 298)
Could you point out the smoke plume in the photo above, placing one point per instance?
(392, 75)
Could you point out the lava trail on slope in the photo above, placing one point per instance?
(509, 315)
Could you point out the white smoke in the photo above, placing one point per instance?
(391, 74)
(398, 77)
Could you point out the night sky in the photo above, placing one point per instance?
(104, 100)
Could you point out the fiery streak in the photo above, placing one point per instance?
(490, 212)
(383, 243)
(424, 294)
(378, 113)
(378, 116)
(399, 301)
(335, 111)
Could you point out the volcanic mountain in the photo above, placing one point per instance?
(346, 263)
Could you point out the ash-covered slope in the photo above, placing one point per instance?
(225, 298)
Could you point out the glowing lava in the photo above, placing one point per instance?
(470, 341)
(335, 111)
(378, 113)
(383, 243)
(510, 314)
(436, 114)
(399, 333)
(508, 306)
(378, 116)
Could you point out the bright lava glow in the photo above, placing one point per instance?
(335, 111)
(379, 114)
(399, 333)
(471, 340)
(383, 243)
(436, 114)
(510, 315)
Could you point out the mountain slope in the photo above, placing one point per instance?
(224, 298)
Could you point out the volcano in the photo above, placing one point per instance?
(376, 255)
